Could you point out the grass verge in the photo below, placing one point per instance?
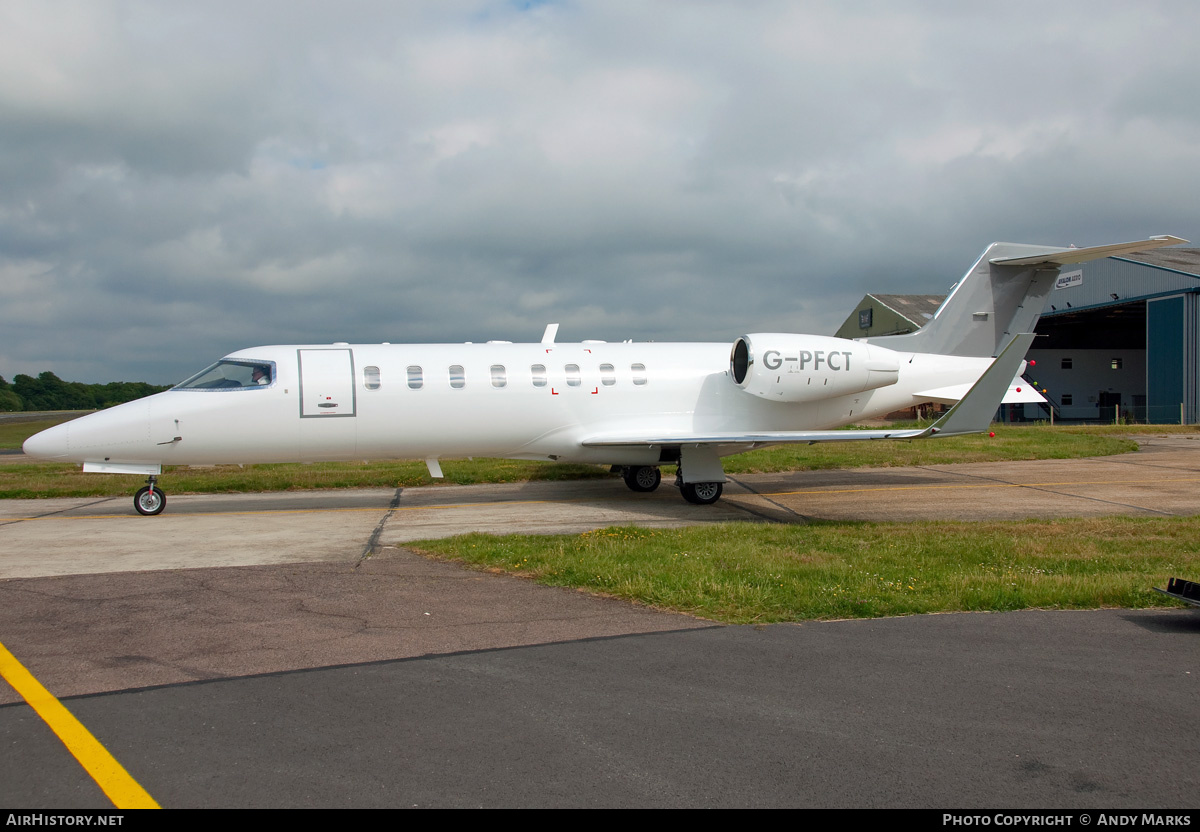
(1010, 443)
(742, 573)
(14, 432)
(39, 479)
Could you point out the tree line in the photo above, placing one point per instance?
(49, 392)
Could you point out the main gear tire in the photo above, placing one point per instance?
(642, 478)
(702, 493)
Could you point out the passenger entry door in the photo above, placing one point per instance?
(327, 403)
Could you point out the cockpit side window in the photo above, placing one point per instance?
(232, 375)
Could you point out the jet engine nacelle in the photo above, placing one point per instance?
(783, 367)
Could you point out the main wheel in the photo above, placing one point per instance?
(702, 493)
(149, 502)
(642, 477)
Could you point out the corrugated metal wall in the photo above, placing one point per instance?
(1126, 279)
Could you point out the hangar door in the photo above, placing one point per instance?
(1164, 360)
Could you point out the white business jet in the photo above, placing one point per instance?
(634, 406)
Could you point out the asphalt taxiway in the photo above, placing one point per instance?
(286, 650)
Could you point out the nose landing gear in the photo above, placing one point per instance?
(150, 500)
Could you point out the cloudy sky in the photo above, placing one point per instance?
(180, 180)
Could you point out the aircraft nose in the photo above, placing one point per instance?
(49, 444)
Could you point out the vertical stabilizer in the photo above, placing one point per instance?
(1004, 293)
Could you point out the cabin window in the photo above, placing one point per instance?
(414, 377)
(538, 372)
(1116, 363)
(458, 377)
(231, 375)
(639, 373)
(1067, 363)
(499, 376)
(572, 375)
(371, 378)
(608, 375)
(1067, 398)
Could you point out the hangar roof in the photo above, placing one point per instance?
(916, 308)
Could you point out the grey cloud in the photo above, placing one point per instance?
(179, 181)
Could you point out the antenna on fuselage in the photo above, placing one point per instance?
(549, 335)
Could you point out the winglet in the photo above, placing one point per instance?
(974, 412)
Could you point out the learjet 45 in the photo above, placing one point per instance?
(634, 406)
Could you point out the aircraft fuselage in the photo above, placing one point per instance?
(520, 401)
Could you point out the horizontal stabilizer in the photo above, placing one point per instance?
(1069, 256)
(1019, 392)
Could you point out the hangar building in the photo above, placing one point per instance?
(1120, 338)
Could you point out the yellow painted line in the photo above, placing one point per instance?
(261, 512)
(177, 516)
(486, 504)
(497, 504)
(111, 776)
(964, 486)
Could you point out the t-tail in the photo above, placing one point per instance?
(1003, 294)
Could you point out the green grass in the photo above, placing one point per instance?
(38, 479)
(12, 434)
(741, 573)
(1009, 443)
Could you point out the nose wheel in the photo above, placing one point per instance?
(150, 500)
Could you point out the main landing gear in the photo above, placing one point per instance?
(701, 493)
(641, 478)
(150, 500)
(646, 478)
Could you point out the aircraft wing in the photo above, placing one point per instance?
(972, 414)
(754, 440)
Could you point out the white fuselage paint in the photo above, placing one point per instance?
(319, 405)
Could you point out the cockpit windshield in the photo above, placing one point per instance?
(231, 375)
